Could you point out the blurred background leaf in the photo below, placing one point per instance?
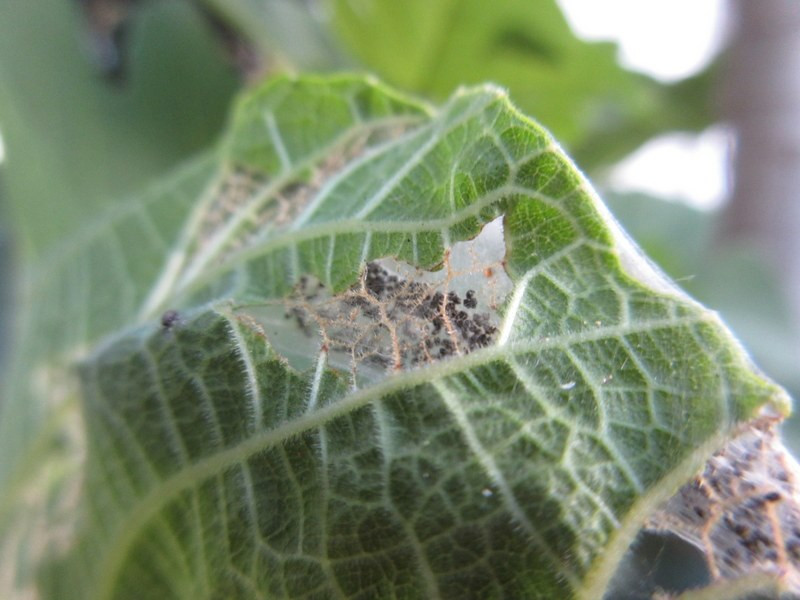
(597, 109)
(289, 35)
(75, 142)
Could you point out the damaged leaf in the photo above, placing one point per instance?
(367, 349)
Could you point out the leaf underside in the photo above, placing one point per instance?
(366, 349)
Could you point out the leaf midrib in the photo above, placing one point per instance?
(289, 239)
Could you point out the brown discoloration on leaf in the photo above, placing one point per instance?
(743, 510)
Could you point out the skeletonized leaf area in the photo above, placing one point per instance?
(387, 352)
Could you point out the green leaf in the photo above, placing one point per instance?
(284, 33)
(733, 279)
(368, 349)
(575, 88)
(76, 142)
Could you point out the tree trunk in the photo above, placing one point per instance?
(761, 99)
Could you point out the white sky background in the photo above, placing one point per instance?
(668, 40)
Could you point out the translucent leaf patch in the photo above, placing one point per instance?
(395, 316)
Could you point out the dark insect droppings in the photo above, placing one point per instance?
(470, 300)
(388, 320)
(169, 319)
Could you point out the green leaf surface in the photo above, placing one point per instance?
(367, 349)
(733, 279)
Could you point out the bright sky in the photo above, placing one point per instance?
(668, 40)
(682, 166)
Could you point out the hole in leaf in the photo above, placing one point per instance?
(396, 316)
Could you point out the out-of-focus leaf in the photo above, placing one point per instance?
(290, 35)
(6, 292)
(73, 141)
(594, 107)
(686, 106)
